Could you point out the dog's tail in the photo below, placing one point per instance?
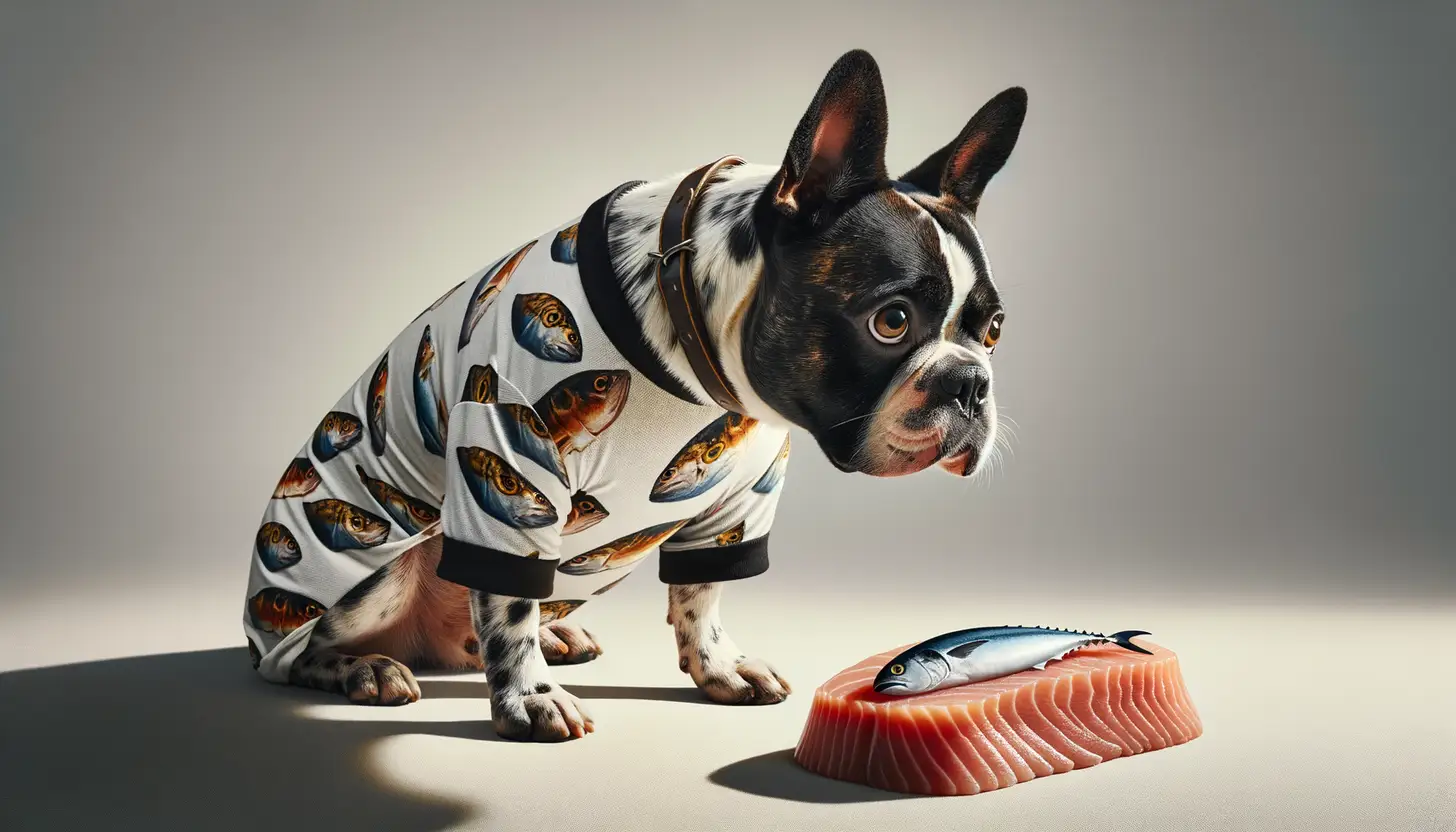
(1123, 639)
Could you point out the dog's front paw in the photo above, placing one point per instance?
(551, 715)
(747, 682)
(378, 680)
(563, 643)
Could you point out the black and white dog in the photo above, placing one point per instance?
(853, 305)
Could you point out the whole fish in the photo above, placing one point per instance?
(704, 461)
(378, 388)
(338, 432)
(277, 548)
(413, 515)
(299, 478)
(481, 385)
(981, 653)
(279, 611)
(563, 248)
(545, 327)
(586, 511)
(429, 406)
(502, 492)
(529, 437)
(486, 289)
(730, 537)
(557, 610)
(775, 473)
(583, 405)
(624, 551)
(342, 526)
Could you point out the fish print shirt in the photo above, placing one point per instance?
(509, 417)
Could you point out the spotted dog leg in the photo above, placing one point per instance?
(709, 656)
(524, 703)
(368, 679)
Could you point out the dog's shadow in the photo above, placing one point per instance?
(200, 741)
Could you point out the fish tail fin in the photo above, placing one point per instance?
(1123, 640)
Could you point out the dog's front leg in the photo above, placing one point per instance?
(525, 704)
(706, 653)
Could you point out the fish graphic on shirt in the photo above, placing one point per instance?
(378, 395)
(413, 515)
(730, 537)
(529, 437)
(481, 385)
(503, 492)
(441, 299)
(254, 653)
(563, 248)
(610, 585)
(277, 548)
(487, 288)
(279, 611)
(429, 406)
(583, 405)
(624, 551)
(557, 610)
(586, 511)
(704, 461)
(775, 473)
(342, 526)
(338, 432)
(545, 327)
(299, 479)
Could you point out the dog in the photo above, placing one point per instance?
(625, 383)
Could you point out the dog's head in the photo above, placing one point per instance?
(875, 319)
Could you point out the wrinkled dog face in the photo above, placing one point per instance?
(876, 315)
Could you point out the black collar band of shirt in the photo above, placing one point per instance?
(609, 304)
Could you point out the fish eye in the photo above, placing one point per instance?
(897, 669)
(668, 474)
(993, 333)
(551, 318)
(571, 337)
(356, 523)
(579, 559)
(584, 505)
(890, 323)
(600, 383)
(714, 451)
(508, 484)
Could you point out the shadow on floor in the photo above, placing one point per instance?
(448, 688)
(775, 774)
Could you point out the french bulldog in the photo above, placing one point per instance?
(540, 428)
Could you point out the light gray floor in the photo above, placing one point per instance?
(1318, 716)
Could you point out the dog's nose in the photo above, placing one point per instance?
(968, 386)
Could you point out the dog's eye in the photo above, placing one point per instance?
(890, 324)
(993, 332)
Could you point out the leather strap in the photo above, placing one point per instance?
(680, 293)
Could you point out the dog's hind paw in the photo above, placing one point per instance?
(563, 643)
(748, 682)
(378, 680)
(550, 716)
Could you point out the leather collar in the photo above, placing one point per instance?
(680, 293)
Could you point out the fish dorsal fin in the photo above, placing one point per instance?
(960, 651)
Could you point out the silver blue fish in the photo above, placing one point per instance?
(336, 433)
(529, 437)
(982, 653)
(412, 514)
(342, 526)
(704, 461)
(502, 492)
(563, 248)
(487, 288)
(277, 547)
(545, 328)
(775, 473)
(429, 405)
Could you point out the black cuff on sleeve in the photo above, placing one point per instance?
(496, 572)
(720, 563)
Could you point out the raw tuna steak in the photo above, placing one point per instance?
(1098, 703)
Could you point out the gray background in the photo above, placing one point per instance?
(1225, 240)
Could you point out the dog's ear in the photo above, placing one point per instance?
(961, 169)
(838, 149)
